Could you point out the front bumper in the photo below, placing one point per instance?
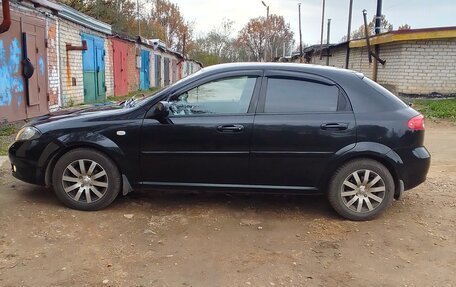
(29, 160)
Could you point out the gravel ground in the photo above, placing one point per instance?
(176, 239)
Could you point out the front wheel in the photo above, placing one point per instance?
(361, 189)
(86, 179)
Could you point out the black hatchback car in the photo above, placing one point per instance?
(276, 128)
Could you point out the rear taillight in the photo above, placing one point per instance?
(416, 123)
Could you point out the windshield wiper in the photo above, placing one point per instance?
(129, 102)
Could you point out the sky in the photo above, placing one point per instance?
(207, 14)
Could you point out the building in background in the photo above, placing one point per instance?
(419, 62)
(76, 59)
(31, 38)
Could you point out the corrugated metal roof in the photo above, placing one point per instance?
(48, 4)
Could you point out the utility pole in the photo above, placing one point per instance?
(327, 42)
(378, 20)
(350, 12)
(266, 45)
(300, 34)
(378, 17)
(139, 18)
(322, 28)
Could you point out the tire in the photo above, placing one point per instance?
(89, 186)
(347, 190)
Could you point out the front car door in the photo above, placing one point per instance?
(205, 141)
(302, 120)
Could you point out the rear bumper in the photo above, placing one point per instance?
(415, 166)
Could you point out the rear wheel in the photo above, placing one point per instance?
(86, 179)
(361, 189)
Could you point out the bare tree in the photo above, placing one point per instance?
(359, 33)
(261, 33)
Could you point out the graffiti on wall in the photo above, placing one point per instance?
(41, 63)
(10, 80)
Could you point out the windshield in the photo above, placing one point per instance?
(138, 101)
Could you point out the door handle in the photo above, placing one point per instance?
(334, 126)
(230, 128)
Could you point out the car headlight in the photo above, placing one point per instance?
(27, 133)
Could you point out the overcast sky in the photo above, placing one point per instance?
(207, 14)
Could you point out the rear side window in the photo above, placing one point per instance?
(293, 96)
(397, 101)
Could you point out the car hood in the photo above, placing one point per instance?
(80, 112)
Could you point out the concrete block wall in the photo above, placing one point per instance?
(337, 58)
(421, 67)
(412, 67)
(196, 67)
(396, 68)
(359, 61)
(184, 68)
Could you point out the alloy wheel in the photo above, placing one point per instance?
(85, 181)
(363, 191)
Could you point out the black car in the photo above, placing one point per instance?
(276, 128)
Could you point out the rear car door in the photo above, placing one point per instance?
(302, 120)
(205, 141)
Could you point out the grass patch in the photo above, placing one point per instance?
(436, 108)
(7, 130)
(7, 135)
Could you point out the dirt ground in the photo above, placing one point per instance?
(172, 239)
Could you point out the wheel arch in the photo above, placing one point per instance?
(77, 145)
(373, 151)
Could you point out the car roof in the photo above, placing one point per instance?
(297, 67)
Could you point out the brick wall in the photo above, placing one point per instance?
(71, 64)
(53, 62)
(162, 69)
(151, 66)
(109, 72)
(132, 70)
(71, 73)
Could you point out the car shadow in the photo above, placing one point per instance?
(311, 206)
(314, 206)
(37, 194)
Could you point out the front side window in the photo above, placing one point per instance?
(294, 96)
(225, 96)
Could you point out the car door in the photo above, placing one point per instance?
(302, 120)
(205, 140)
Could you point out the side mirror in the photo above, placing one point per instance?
(161, 110)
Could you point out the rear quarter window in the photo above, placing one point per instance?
(393, 99)
(294, 96)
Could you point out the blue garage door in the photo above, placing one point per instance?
(144, 75)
